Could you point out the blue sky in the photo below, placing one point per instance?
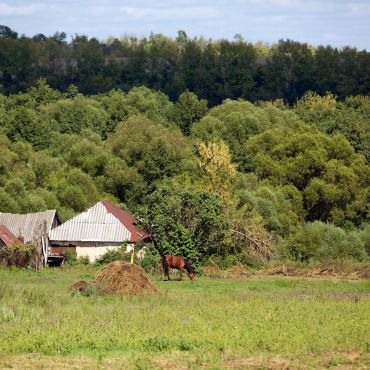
(334, 22)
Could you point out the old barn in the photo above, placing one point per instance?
(31, 228)
(92, 233)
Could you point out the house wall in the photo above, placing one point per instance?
(88, 249)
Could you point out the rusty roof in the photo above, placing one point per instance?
(128, 220)
(7, 236)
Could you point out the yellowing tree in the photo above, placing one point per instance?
(216, 168)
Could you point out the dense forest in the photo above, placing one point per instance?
(239, 180)
(213, 70)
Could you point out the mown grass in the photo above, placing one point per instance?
(207, 323)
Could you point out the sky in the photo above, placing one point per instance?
(326, 22)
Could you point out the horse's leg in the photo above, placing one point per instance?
(167, 270)
(181, 271)
(164, 272)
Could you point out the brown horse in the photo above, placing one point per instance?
(179, 263)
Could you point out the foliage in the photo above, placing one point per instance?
(189, 110)
(329, 175)
(318, 240)
(70, 257)
(214, 70)
(18, 255)
(118, 254)
(190, 174)
(185, 222)
(216, 168)
(349, 117)
(236, 121)
(151, 259)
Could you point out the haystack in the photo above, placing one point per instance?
(123, 278)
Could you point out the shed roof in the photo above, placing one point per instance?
(7, 236)
(29, 224)
(103, 222)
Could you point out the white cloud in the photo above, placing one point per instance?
(161, 13)
(361, 9)
(279, 3)
(270, 19)
(6, 9)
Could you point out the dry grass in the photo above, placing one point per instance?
(123, 278)
(326, 269)
(182, 361)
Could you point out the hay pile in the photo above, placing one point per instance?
(123, 278)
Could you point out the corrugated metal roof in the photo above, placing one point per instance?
(128, 221)
(28, 225)
(7, 236)
(94, 225)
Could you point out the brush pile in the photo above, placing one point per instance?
(123, 278)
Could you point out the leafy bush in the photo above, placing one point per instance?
(83, 260)
(70, 257)
(318, 240)
(223, 262)
(118, 254)
(151, 260)
(18, 255)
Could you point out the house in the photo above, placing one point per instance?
(92, 233)
(7, 238)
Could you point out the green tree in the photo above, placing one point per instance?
(188, 110)
(326, 170)
(185, 222)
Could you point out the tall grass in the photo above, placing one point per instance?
(40, 314)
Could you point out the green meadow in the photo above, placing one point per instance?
(256, 322)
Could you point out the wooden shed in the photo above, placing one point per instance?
(32, 228)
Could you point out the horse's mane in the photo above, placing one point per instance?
(189, 267)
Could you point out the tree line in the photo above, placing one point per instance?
(213, 70)
(244, 181)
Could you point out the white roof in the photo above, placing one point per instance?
(94, 225)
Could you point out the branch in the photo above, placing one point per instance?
(260, 247)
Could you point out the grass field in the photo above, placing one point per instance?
(258, 322)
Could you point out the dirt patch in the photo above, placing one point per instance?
(83, 285)
(123, 278)
(262, 363)
(350, 360)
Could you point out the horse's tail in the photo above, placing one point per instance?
(164, 264)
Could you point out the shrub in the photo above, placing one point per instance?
(70, 257)
(83, 260)
(223, 262)
(118, 254)
(318, 240)
(151, 260)
(18, 255)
